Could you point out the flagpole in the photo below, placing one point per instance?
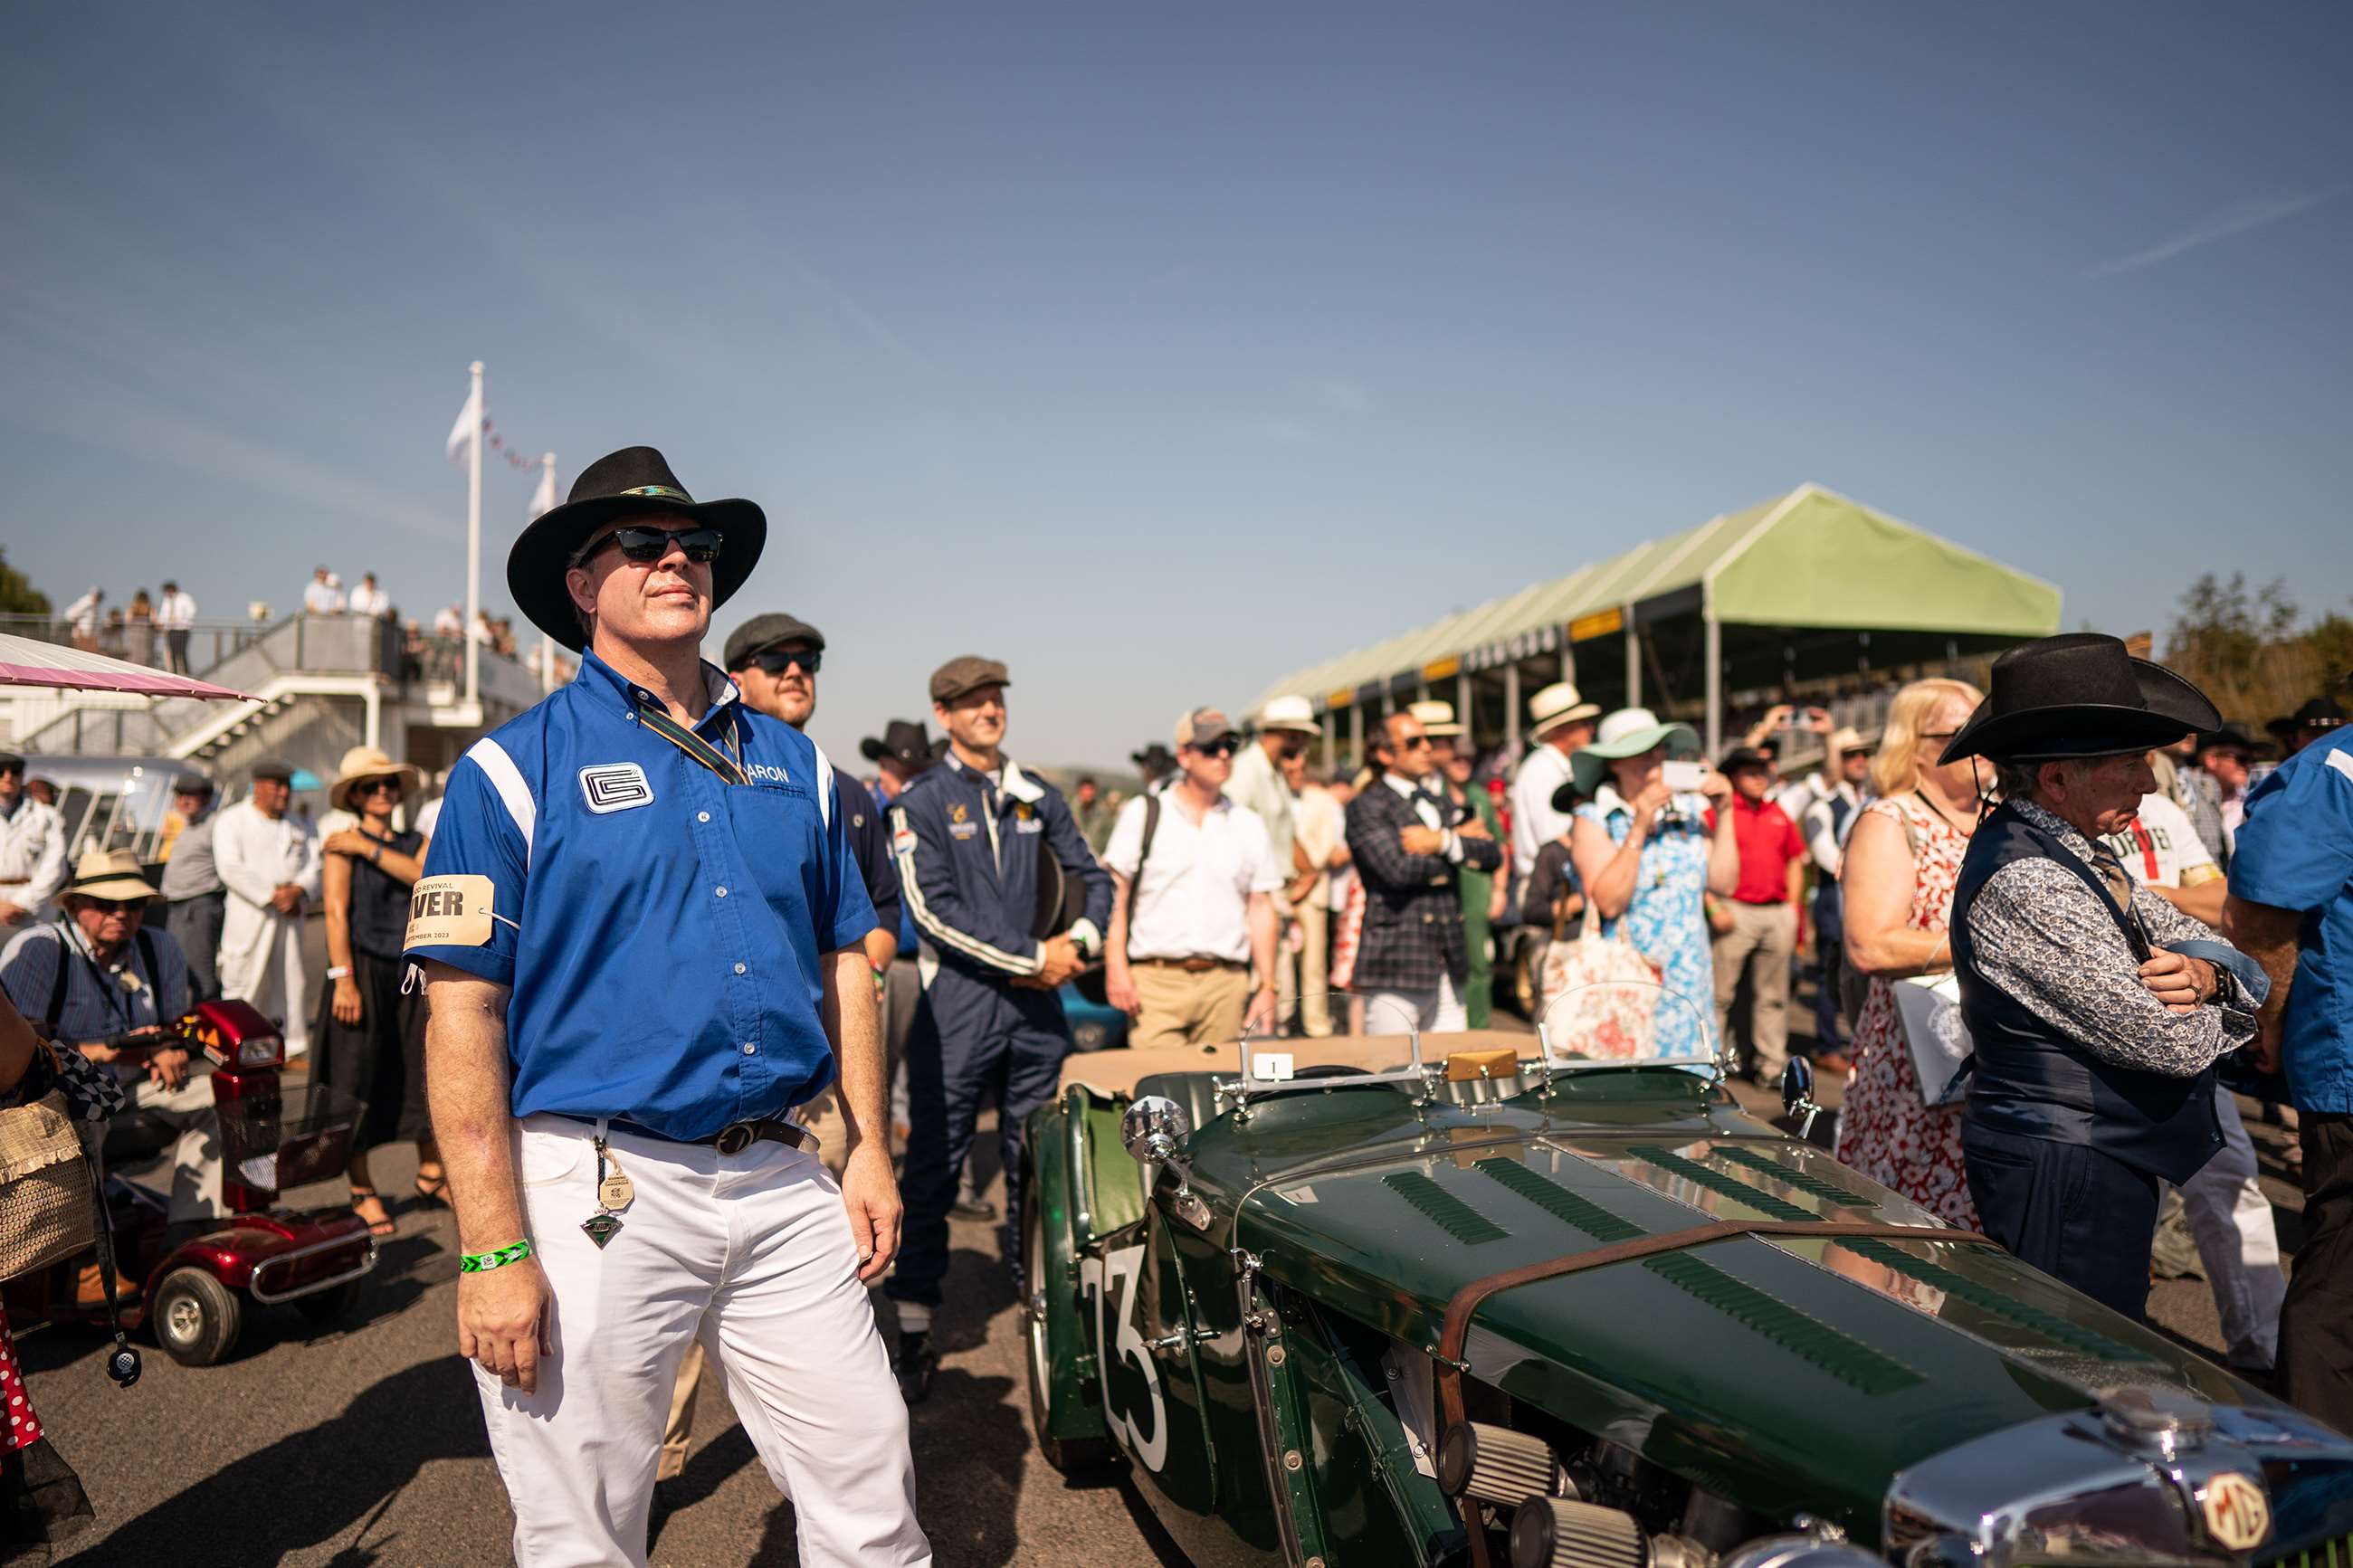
(547, 643)
(474, 557)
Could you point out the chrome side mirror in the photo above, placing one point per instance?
(1798, 1094)
(1155, 1129)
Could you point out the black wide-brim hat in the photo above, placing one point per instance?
(2079, 695)
(2318, 712)
(635, 481)
(903, 740)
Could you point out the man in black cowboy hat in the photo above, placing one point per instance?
(2097, 1010)
(902, 751)
(2319, 717)
(640, 924)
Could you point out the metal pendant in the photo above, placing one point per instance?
(601, 1228)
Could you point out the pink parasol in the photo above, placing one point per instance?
(25, 662)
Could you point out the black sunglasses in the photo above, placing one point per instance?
(776, 660)
(1223, 746)
(376, 786)
(1419, 744)
(116, 906)
(647, 545)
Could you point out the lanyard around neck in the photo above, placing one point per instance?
(729, 768)
(111, 988)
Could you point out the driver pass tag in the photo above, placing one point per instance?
(449, 910)
(1271, 1066)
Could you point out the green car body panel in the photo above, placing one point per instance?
(1791, 1377)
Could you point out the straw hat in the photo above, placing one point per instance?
(1629, 732)
(109, 873)
(364, 763)
(1289, 713)
(1845, 739)
(1436, 718)
(1558, 704)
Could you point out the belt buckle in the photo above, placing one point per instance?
(735, 1138)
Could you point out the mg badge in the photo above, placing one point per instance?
(2237, 1515)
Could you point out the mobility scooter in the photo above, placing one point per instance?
(189, 1281)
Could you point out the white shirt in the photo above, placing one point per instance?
(449, 624)
(1535, 822)
(322, 599)
(1194, 901)
(1322, 827)
(2161, 847)
(32, 852)
(82, 614)
(257, 855)
(1426, 807)
(483, 634)
(1797, 799)
(177, 612)
(367, 601)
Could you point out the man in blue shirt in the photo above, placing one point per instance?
(974, 837)
(2291, 909)
(639, 926)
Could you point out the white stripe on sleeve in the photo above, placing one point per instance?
(507, 779)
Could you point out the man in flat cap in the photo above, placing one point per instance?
(974, 837)
(2097, 1010)
(195, 901)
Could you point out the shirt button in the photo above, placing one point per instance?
(722, 892)
(702, 817)
(750, 1049)
(739, 969)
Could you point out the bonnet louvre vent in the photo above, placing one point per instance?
(1443, 1209)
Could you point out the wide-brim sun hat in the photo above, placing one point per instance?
(361, 763)
(1559, 704)
(1628, 733)
(635, 481)
(109, 873)
(1437, 720)
(1289, 713)
(2079, 695)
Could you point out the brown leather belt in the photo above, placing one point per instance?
(1191, 966)
(1466, 1301)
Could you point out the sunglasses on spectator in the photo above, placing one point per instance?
(115, 906)
(1223, 746)
(1856, 751)
(1418, 742)
(376, 786)
(775, 662)
(647, 545)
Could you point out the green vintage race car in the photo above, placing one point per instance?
(1348, 1306)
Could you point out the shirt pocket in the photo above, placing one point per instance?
(781, 836)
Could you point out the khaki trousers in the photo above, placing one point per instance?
(1314, 969)
(1762, 941)
(1176, 1007)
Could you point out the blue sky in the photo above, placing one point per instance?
(1160, 350)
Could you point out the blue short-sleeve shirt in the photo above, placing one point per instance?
(663, 930)
(2294, 851)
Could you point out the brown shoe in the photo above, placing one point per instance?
(1837, 1062)
(89, 1289)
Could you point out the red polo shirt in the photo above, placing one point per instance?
(1769, 841)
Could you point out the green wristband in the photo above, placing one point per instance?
(483, 1262)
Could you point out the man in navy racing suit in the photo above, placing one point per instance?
(971, 836)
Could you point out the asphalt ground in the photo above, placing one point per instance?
(365, 1445)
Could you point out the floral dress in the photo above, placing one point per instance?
(1665, 920)
(1885, 1129)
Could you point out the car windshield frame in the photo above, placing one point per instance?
(1714, 1064)
(1411, 1073)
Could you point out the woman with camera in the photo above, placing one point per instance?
(1649, 844)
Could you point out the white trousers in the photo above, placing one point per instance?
(275, 981)
(1439, 1011)
(2231, 1222)
(751, 1253)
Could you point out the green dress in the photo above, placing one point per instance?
(1477, 889)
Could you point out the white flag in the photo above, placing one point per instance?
(543, 498)
(468, 428)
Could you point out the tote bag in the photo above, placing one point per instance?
(45, 1207)
(1605, 1017)
(1930, 1012)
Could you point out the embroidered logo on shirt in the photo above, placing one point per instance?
(957, 812)
(963, 829)
(615, 786)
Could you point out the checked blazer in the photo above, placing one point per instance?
(1413, 909)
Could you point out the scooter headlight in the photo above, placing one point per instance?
(259, 1052)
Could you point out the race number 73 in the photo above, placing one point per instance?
(1110, 1281)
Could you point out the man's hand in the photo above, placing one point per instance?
(1719, 917)
(1119, 989)
(2265, 1046)
(1061, 962)
(871, 1194)
(2177, 982)
(1818, 721)
(502, 1323)
(1421, 840)
(168, 1069)
(1474, 826)
(286, 898)
(347, 1001)
(1260, 1017)
(10, 914)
